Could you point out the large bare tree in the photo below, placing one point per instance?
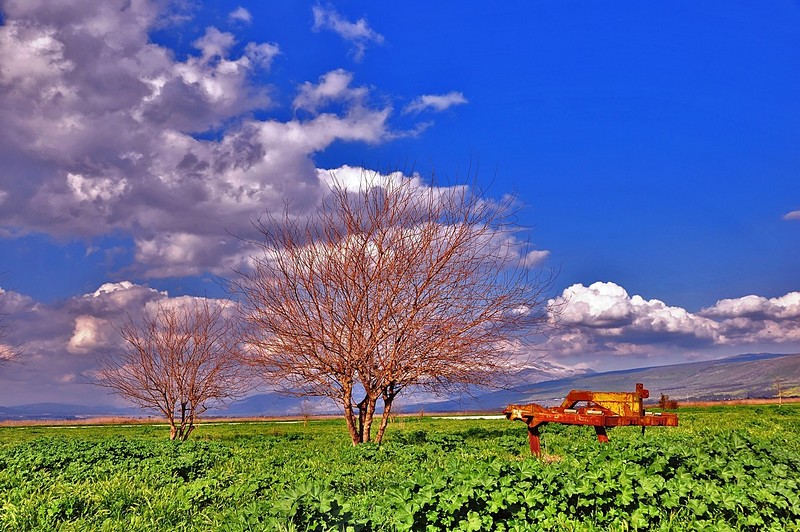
(178, 361)
(388, 287)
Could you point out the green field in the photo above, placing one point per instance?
(724, 468)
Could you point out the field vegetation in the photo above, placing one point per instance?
(723, 468)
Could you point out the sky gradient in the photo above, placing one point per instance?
(653, 148)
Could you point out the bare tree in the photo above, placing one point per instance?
(388, 287)
(8, 352)
(178, 361)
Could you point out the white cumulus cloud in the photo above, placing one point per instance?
(240, 14)
(436, 102)
(214, 43)
(786, 307)
(90, 333)
(603, 319)
(357, 33)
(109, 129)
(332, 87)
(598, 305)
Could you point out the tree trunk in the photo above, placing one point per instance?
(352, 425)
(173, 429)
(182, 433)
(360, 424)
(187, 425)
(350, 416)
(362, 412)
(366, 428)
(387, 409)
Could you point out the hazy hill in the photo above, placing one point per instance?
(738, 377)
(63, 411)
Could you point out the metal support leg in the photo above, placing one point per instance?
(602, 437)
(533, 440)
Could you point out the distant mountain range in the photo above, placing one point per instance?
(739, 377)
(272, 404)
(45, 411)
(762, 375)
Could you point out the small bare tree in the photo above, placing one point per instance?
(389, 287)
(177, 361)
(8, 352)
(665, 403)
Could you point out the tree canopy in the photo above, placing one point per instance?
(389, 286)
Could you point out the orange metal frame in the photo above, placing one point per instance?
(601, 410)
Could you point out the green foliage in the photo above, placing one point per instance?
(733, 479)
(722, 469)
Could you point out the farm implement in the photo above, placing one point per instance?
(602, 410)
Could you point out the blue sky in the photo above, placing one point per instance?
(653, 147)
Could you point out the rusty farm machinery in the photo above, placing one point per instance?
(601, 410)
